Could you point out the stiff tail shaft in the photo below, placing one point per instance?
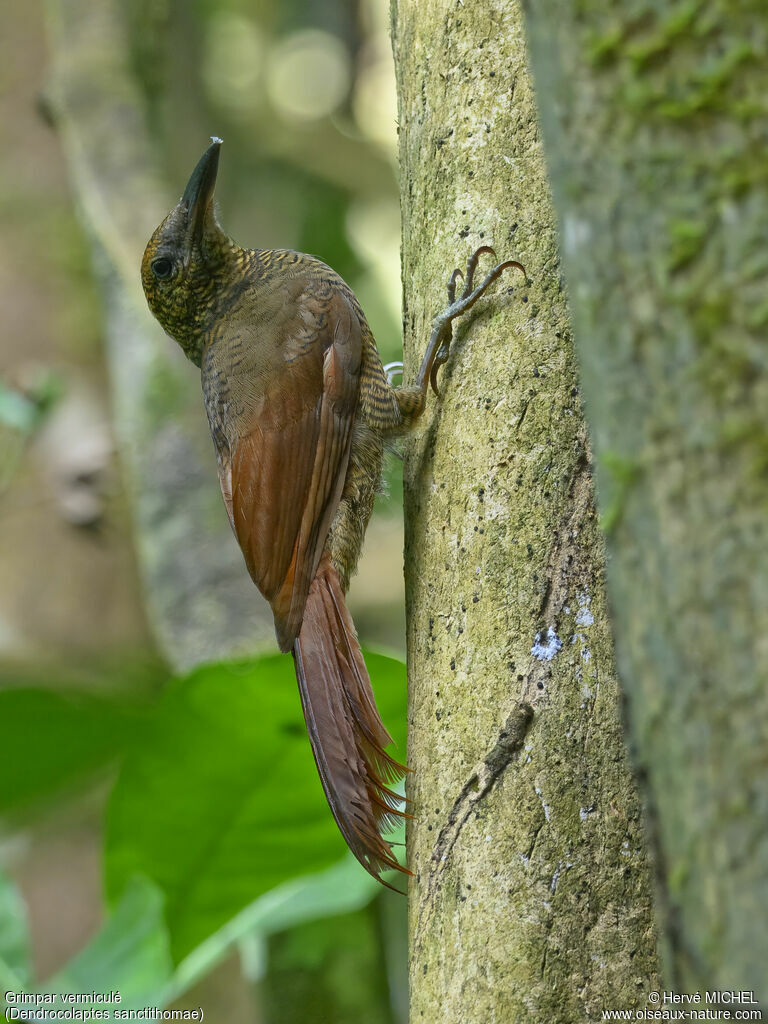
(347, 735)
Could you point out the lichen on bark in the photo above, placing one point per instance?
(531, 896)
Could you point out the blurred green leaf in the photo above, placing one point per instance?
(130, 954)
(52, 741)
(14, 937)
(337, 890)
(25, 411)
(331, 970)
(16, 410)
(220, 801)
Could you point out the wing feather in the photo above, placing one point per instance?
(282, 418)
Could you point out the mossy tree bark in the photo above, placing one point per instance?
(531, 896)
(655, 118)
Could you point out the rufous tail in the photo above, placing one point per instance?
(347, 734)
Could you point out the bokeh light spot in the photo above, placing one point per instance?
(374, 103)
(234, 59)
(308, 75)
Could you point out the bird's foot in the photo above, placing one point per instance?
(442, 329)
(393, 370)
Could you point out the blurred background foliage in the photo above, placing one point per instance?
(165, 836)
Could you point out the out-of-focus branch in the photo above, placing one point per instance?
(201, 603)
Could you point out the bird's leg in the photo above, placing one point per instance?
(412, 400)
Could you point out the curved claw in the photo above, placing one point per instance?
(392, 370)
(439, 343)
(452, 284)
(479, 252)
(511, 263)
(472, 267)
(492, 276)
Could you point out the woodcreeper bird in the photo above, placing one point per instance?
(299, 408)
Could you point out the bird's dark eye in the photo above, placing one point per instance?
(162, 267)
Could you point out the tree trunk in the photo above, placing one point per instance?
(655, 121)
(531, 896)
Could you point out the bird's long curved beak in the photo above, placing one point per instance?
(198, 195)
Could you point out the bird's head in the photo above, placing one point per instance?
(185, 259)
